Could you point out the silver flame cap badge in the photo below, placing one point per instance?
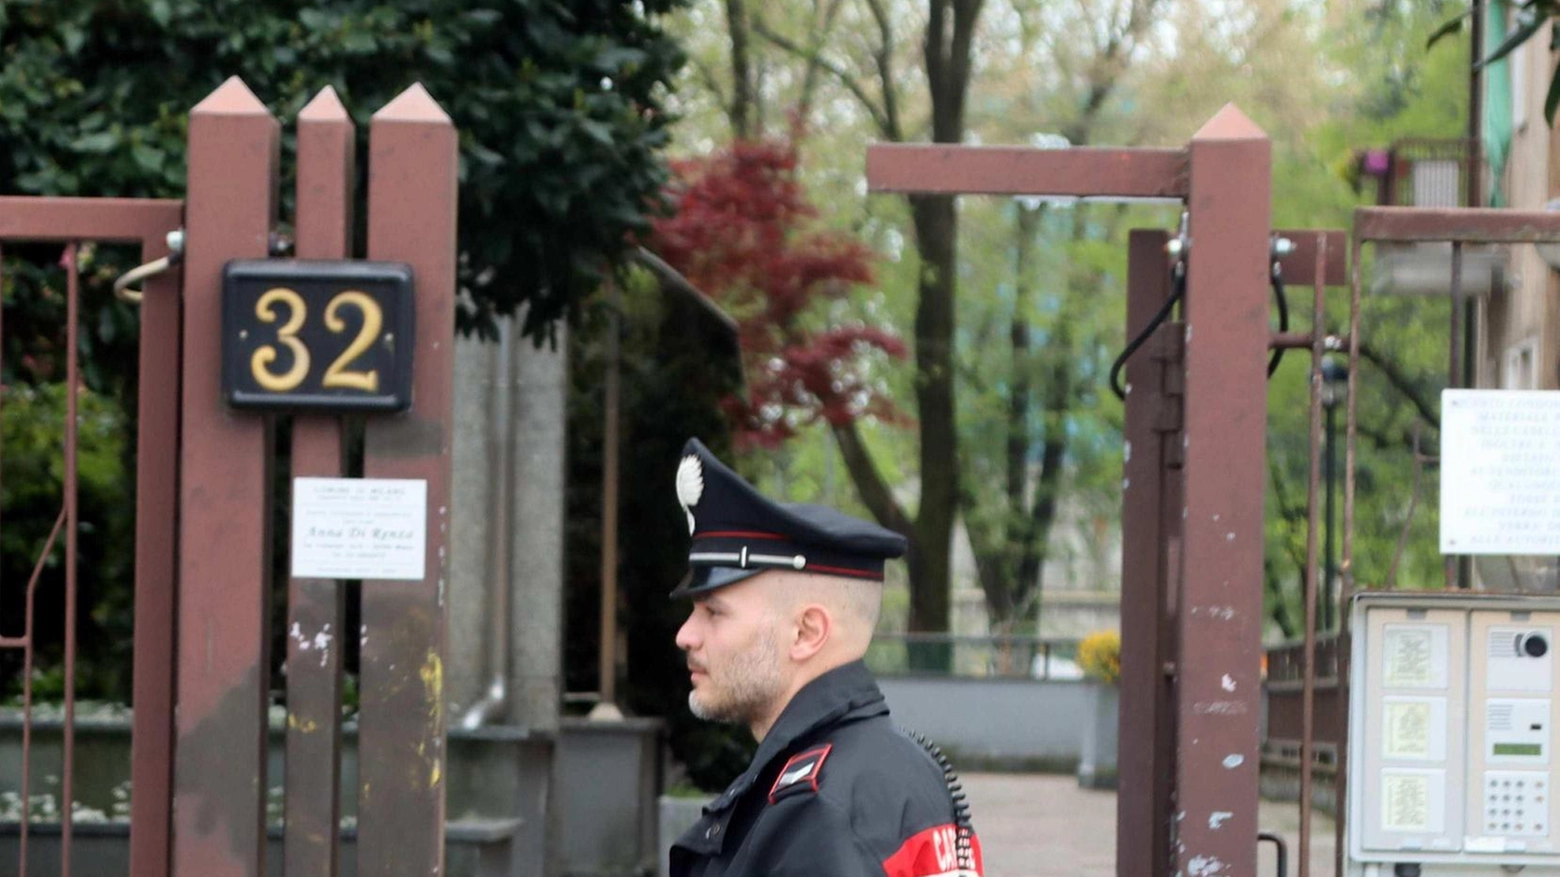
(690, 485)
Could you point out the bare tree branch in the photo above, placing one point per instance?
(1401, 383)
(821, 32)
(884, 58)
(711, 81)
(875, 493)
(835, 70)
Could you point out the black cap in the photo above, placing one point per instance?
(739, 533)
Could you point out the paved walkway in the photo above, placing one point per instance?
(1045, 826)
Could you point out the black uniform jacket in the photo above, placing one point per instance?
(835, 789)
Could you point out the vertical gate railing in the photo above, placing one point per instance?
(1460, 227)
(147, 223)
(203, 509)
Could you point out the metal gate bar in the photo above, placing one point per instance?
(1150, 519)
(146, 222)
(72, 539)
(1313, 510)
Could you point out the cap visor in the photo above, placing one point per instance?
(703, 579)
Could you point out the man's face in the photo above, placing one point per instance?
(732, 643)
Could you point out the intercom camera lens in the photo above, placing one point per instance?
(1535, 645)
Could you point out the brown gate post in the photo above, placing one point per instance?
(315, 607)
(224, 539)
(154, 655)
(1148, 493)
(1220, 594)
(411, 202)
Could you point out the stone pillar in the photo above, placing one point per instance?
(540, 440)
(509, 427)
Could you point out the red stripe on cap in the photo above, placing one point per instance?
(840, 570)
(932, 852)
(737, 534)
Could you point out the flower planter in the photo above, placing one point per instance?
(1100, 727)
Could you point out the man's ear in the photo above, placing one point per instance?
(814, 627)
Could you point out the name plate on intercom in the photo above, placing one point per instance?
(317, 335)
(1500, 472)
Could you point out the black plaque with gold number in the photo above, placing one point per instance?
(317, 335)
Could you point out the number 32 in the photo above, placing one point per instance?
(337, 375)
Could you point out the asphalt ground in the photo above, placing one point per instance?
(1046, 826)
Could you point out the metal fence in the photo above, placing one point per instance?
(946, 654)
(1429, 172)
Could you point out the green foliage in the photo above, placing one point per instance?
(558, 105)
(32, 420)
(1531, 17)
(1397, 92)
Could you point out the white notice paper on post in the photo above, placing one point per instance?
(359, 528)
(1500, 472)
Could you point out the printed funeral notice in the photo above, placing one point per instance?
(1500, 472)
(359, 528)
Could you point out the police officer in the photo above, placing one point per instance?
(785, 598)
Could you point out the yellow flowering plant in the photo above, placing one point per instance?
(1100, 656)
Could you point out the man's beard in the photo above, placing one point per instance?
(742, 689)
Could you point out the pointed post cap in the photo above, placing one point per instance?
(325, 107)
(1230, 123)
(232, 98)
(414, 104)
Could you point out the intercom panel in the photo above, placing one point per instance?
(1453, 711)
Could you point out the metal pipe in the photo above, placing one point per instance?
(1330, 561)
(1454, 375)
(1303, 340)
(1308, 656)
(72, 534)
(1475, 105)
(501, 459)
(1346, 567)
(1282, 849)
(606, 708)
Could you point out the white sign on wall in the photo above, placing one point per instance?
(359, 528)
(1500, 472)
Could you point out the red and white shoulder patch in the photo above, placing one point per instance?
(800, 774)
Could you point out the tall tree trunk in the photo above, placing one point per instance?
(1018, 525)
(1053, 457)
(741, 110)
(930, 557)
(950, 33)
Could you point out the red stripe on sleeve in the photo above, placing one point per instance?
(932, 852)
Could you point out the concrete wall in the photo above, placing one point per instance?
(1020, 722)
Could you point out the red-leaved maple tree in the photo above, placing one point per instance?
(745, 234)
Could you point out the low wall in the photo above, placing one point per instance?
(1028, 724)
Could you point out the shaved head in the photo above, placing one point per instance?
(853, 604)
